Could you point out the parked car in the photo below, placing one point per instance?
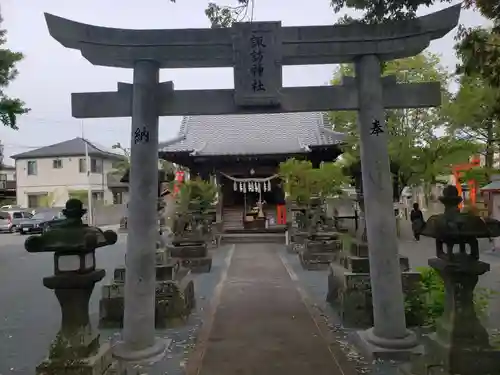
(40, 222)
(10, 207)
(11, 219)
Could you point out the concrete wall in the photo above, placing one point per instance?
(58, 182)
(10, 174)
(109, 214)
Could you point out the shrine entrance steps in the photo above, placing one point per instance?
(260, 324)
(253, 238)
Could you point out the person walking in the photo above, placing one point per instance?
(417, 221)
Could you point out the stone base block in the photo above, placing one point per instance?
(197, 265)
(174, 301)
(325, 236)
(129, 361)
(440, 358)
(315, 261)
(357, 264)
(359, 249)
(187, 239)
(350, 294)
(299, 237)
(323, 246)
(163, 272)
(162, 257)
(189, 251)
(398, 350)
(97, 364)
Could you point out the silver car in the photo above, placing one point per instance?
(10, 219)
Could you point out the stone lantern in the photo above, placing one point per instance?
(460, 344)
(76, 348)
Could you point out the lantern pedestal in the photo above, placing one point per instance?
(460, 344)
(76, 349)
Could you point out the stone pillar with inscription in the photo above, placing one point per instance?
(389, 332)
(139, 340)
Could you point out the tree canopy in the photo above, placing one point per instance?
(196, 194)
(224, 16)
(10, 108)
(302, 182)
(478, 48)
(418, 150)
(122, 166)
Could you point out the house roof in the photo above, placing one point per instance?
(254, 134)
(72, 147)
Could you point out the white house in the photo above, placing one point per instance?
(53, 172)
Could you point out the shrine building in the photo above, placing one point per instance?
(242, 153)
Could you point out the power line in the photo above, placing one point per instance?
(12, 145)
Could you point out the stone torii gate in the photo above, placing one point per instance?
(257, 51)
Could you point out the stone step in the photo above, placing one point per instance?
(229, 238)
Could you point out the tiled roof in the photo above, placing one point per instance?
(72, 147)
(495, 185)
(277, 133)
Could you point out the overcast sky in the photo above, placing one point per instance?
(50, 72)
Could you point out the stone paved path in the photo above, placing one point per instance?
(261, 324)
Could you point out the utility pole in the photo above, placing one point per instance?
(90, 213)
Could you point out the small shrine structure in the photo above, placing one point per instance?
(242, 153)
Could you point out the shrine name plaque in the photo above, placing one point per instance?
(257, 48)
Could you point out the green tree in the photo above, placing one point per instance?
(224, 16)
(437, 156)
(122, 166)
(10, 108)
(196, 194)
(379, 11)
(478, 48)
(302, 182)
(474, 114)
(417, 152)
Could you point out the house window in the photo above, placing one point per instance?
(82, 165)
(3, 176)
(117, 197)
(97, 196)
(34, 200)
(57, 164)
(32, 169)
(96, 165)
